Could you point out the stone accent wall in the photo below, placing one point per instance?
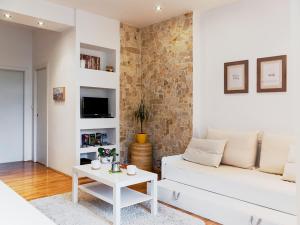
(130, 82)
(167, 68)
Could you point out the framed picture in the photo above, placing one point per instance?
(271, 74)
(59, 94)
(236, 77)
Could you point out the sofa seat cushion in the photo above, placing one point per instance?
(17, 211)
(253, 186)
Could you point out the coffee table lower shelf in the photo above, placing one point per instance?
(128, 196)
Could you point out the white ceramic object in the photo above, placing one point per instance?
(96, 164)
(131, 169)
(105, 160)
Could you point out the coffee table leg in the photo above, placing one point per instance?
(154, 197)
(117, 205)
(75, 187)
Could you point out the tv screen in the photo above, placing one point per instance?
(94, 107)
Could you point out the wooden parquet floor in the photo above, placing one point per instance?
(33, 180)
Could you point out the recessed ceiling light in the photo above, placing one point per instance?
(7, 16)
(158, 8)
(40, 23)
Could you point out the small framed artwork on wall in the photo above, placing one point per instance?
(59, 94)
(272, 74)
(236, 77)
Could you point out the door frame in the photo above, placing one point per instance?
(35, 112)
(27, 109)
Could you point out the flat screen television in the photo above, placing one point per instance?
(94, 107)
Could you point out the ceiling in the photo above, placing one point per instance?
(141, 13)
(30, 22)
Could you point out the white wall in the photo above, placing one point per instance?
(295, 69)
(248, 29)
(106, 34)
(57, 52)
(60, 52)
(16, 54)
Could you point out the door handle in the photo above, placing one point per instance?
(176, 195)
(253, 223)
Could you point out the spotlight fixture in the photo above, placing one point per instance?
(158, 8)
(7, 16)
(40, 23)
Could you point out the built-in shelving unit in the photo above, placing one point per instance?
(103, 137)
(97, 78)
(107, 55)
(91, 149)
(98, 83)
(97, 92)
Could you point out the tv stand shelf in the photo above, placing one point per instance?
(98, 79)
(95, 148)
(99, 123)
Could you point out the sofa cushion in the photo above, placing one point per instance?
(290, 169)
(15, 210)
(240, 149)
(205, 151)
(253, 186)
(274, 153)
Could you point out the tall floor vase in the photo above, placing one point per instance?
(141, 156)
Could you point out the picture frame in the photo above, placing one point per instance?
(272, 74)
(59, 94)
(236, 77)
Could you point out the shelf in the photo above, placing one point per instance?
(97, 48)
(128, 196)
(99, 123)
(98, 79)
(91, 149)
(107, 56)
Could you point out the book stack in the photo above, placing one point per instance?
(91, 62)
(94, 139)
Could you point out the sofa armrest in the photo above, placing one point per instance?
(166, 160)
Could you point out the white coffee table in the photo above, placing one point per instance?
(112, 188)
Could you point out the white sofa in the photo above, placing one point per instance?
(227, 194)
(15, 210)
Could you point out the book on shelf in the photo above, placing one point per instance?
(92, 140)
(85, 140)
(91, 62)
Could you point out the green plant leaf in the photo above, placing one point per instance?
(141, 114)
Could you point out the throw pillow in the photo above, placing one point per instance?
(290, 169)
(241, 147)
(274, 153)
(205, 152)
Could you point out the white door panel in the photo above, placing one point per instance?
(11, 116)
(41, 142)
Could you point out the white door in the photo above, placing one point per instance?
(11, 116)
(41, 129)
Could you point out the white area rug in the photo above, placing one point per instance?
(91, 211)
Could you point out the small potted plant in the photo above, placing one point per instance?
(106, 155)
(141, 115)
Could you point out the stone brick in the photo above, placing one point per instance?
(162, 56)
